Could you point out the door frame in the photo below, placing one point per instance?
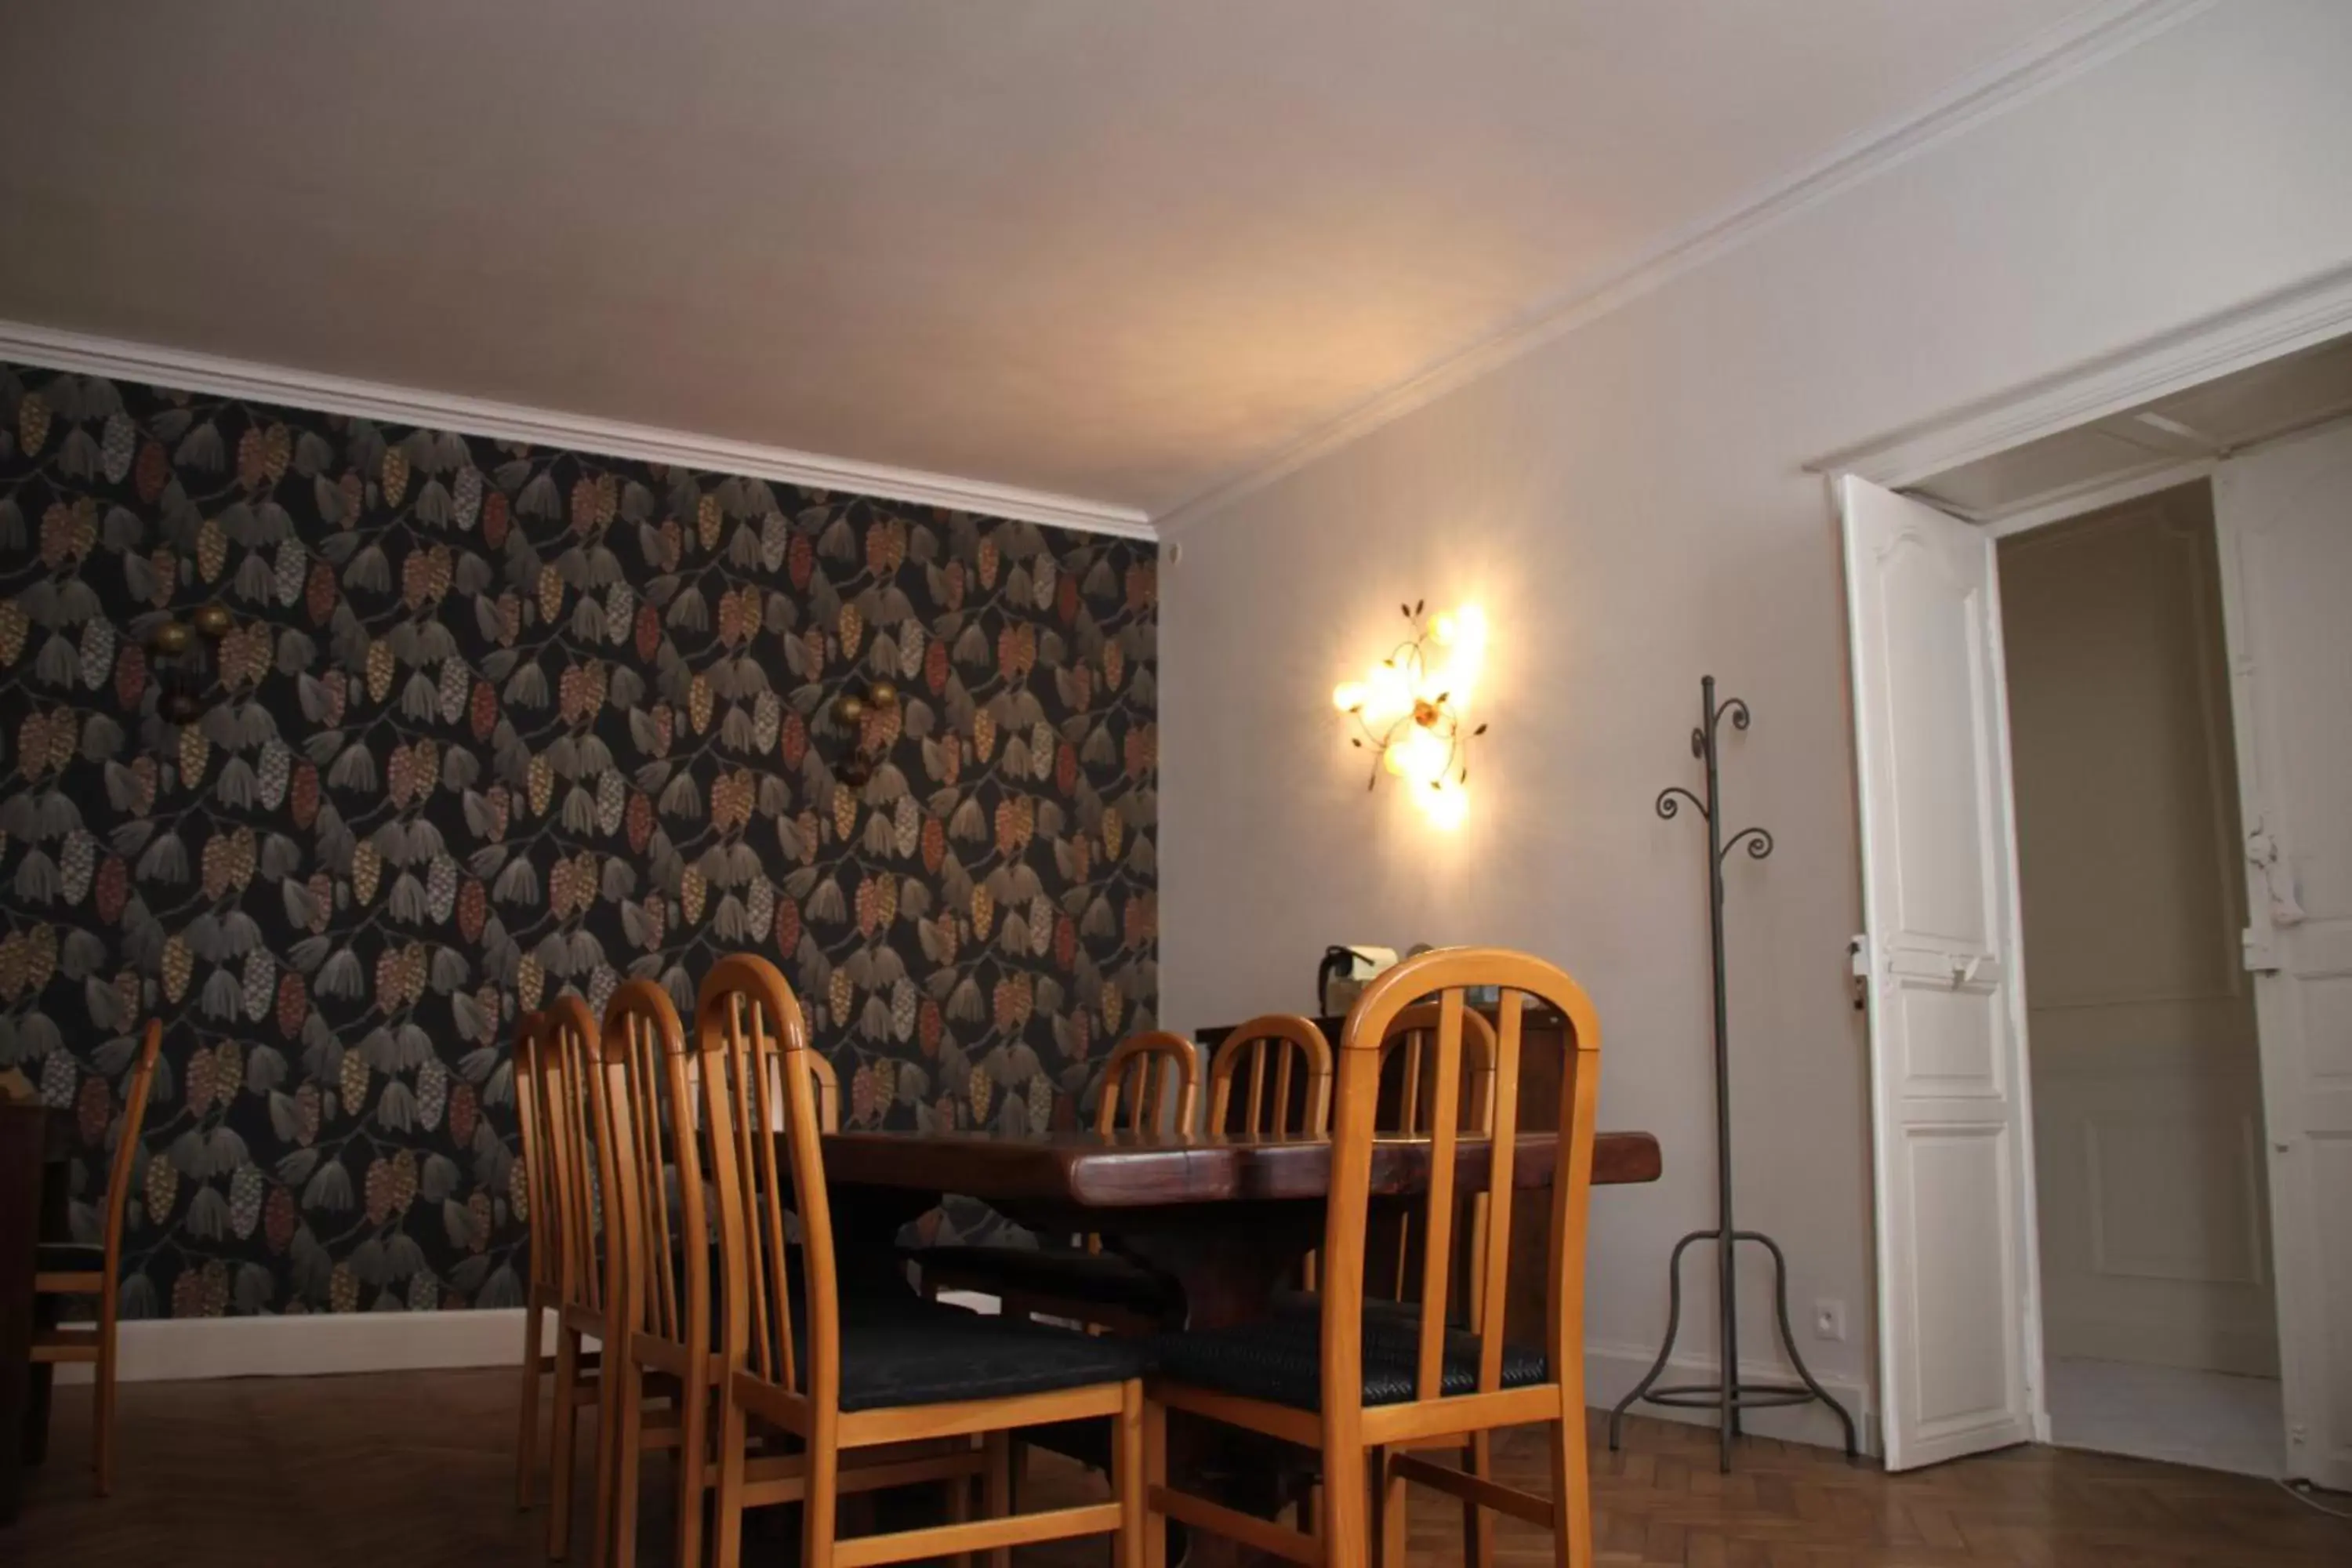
(2300, 316)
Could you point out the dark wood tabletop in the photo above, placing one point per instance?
(1111, 1170)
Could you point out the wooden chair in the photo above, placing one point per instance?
(1409, 1049)
(666, 1229)
(579, 1160)
(1141, 1071)
(1082, 1283)
(1300, 1059)
(546, 1290)
(1365, 1388)
(68, 1268)
(879, 1379)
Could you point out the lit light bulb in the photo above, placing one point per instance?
(1445, 802)
(1387, 695)
(1425, 756)
(1349, 696)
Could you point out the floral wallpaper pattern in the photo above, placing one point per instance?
(499, 721)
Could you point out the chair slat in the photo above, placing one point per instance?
(1437, 1206)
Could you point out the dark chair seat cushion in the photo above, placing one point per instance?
(1096, 1278)
(68, 1258)
(923, 1353)
(1280, 1359)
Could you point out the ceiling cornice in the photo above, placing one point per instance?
(2058, 56)
(90, 355)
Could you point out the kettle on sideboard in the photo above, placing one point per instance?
(1346, 968)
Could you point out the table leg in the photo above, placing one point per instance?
(1227, 1283)
(20, 1187)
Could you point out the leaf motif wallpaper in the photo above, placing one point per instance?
(501, 721)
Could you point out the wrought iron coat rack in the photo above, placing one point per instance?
(1730, 1393)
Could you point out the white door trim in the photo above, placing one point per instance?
(2296, 317)
(183, 370)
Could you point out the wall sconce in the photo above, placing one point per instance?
(850, 711)
(1410, 708)
(182, 654)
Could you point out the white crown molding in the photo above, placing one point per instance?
(115, 359)
(2082, 42)
(2299, 316)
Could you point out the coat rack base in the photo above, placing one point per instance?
(1742, 1394)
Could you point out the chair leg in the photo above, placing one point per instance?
(998, 1446)
(1347, 1509)
(102, 1393)
(527, 1439)
(1571, 1530)
(727, 1511)
(613, 1375)
(1155, 1474)
(1389, 1488)
(959, 1513)
(820, 1511)
(561, 1447)
(626, 1471)
(693, 1456)
(1126, 1473)
(1478, 1524)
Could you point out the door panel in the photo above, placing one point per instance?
(1948, 1114)
(2285, 521)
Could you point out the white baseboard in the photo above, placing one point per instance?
(313, 1345)
(1610, 1371)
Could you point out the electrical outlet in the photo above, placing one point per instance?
(1829, 1318)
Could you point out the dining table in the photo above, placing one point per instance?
(1224, 1219)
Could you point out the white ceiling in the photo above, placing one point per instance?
(1116, 251)
(2154, 443)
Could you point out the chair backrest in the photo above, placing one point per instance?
(534, 1104)
(126, 1141)
(1408, 1062)
(659, 1191)
(1296, 1102)
(1445, 974)
(578, 1156)
(829, 1092)
(1136, 1082)
(762, 1136)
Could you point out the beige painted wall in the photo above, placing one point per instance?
(2141, 1017)
(1630, 502)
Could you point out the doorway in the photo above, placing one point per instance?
(1973, 1349)
(2159, 1325)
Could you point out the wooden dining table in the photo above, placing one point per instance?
(1225, 1220)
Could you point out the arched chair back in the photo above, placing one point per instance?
(665, 1232)
(829, 1092)
(534, 1103)
(762, 1093)
(1138, 1079)
(571, 1062)
(135, 1095)
(1439, 980)
(1407, 1102)
(1283, 1065)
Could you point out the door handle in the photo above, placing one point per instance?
(1965, 969)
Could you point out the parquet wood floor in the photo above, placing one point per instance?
(403, 1471)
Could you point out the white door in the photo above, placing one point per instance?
(1949, 1121)
(2285, 519)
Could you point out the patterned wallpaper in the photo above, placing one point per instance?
(501, 722)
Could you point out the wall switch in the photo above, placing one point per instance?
(1829, 1318)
